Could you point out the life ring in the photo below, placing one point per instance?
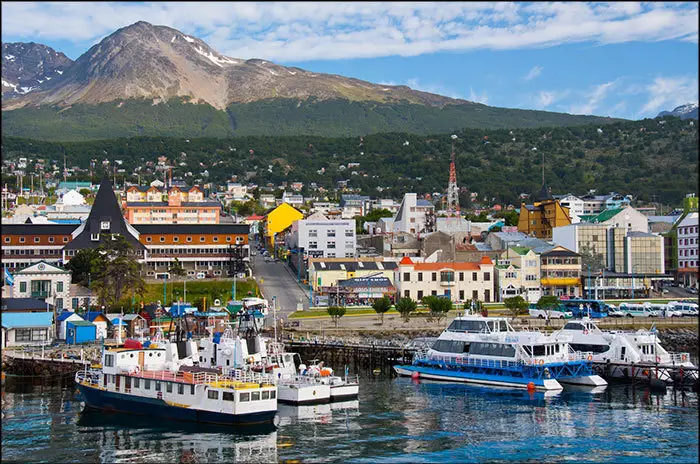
(658, 359)
(541, 362)
(571, 357)
(684, 357)
(251, 359)
(136, 369)
(590, 358)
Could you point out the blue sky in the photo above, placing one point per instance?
(626, 59)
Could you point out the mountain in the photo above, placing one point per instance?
(155, 80)
(687, 111)
(27, 67)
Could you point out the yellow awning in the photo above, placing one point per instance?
(556, 281)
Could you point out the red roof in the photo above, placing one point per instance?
(406, 260)
(486, 260)
(254, 217)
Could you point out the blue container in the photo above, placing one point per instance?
(80, 332)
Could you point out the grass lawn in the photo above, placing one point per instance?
(211, 289)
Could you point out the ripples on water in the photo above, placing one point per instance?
(395, 420)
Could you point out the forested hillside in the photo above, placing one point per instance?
(650, 159)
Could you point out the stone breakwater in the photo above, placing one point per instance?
(680, 340)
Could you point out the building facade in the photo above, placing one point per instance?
(687, 237)
(320, 237)
(414, 216)
(518, 274)
(538, 219)
(454, 280)
(560, 272)
(43, 281)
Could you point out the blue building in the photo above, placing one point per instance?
(80, 332)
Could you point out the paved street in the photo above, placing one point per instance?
(276, 279)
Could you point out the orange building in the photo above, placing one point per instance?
(183, 206)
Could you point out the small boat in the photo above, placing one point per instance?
(641, 350)
(152, 381)
(488, 351)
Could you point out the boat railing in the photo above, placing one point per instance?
(670, 358)
(88, 376)
(246, 376)
(468, 361)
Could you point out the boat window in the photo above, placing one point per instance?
(180, 389)
(245, 397)
(573, 326)
(157, 386)
(136, 382)
(273, 395)
(527, 349)
(109, 360)
(266, 395)
(147, 384)
(228, 396)
(592, 348)
(213, 395)
(191, 389)
(459, 325)
(449, 346)
(492, 349)
(556, 348)
(538, 350)
(169, 387)
(255, 396)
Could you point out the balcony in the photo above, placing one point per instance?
(41, 294)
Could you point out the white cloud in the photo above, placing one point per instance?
(666, 93)
(546, 98)
(533, 73)
(473, 96)
(294, 31)
(594, 99)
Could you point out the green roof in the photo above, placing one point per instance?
(602, 216)
(520, 250)
(81, 323)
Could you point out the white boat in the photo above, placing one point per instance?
(248, 350)
(151, 381)
(640, 349)
(488, 351)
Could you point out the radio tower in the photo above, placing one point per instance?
(452, 190)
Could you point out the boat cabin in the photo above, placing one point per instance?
(479, 324)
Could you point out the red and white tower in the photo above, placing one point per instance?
(452, 189)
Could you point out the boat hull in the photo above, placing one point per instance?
(476, 378)
(345, 392)
(586, 380)
(96, 398)
(304, 394)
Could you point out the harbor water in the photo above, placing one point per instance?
(394, 420)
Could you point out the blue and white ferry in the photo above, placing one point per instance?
(488, 351)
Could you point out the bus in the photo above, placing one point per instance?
(583, 308)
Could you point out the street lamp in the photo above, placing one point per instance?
(633, 268)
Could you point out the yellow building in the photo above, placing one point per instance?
(560, 272)
(278, 219)
(542, 216)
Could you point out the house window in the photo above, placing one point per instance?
(22, 287)
(348, 233)
(420, 295)
(420, 277)
(475, 295)
(509, 275)
(434, 292)
(331, 245)
(157, 386)
(23, 335)
(407, 294)
(330, 233)
(104, 225)
(434, 276)
(406, 276)
(313, 245)
(461, 295)
(95, 237)
(474, 276)
(447, 276)
(461, 278)
(313, 233)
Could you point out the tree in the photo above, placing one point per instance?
(176, 269)
(548, 302)
(116, 273)
(439, 307)
(381, 306)
(82, 265)
(405, 306)
(336, 312)
(515, 305)
(85, 192)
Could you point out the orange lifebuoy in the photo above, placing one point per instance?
(590, 358)
(684, 357)
(541, 362)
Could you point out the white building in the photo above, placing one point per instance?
(43, 281)
(575, 205)
(459, 281)
(414, 216)
(293, 199)
(321, 237)
(688, 250)
(237, 191)
(625, 216)
(518, 273)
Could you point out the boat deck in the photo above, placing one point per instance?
(239, 381)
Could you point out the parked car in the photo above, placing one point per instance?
(267, 259)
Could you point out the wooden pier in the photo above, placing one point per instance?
(358, 356)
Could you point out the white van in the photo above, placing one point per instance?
(557, 313)
(638, 310)
(686, 309)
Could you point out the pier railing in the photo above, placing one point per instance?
(671, 358)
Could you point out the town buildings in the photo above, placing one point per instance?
(320, 237)
(688, 250)
(414, 216)
(145, 205)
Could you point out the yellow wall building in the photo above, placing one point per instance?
(542, 216)
(279, 219)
